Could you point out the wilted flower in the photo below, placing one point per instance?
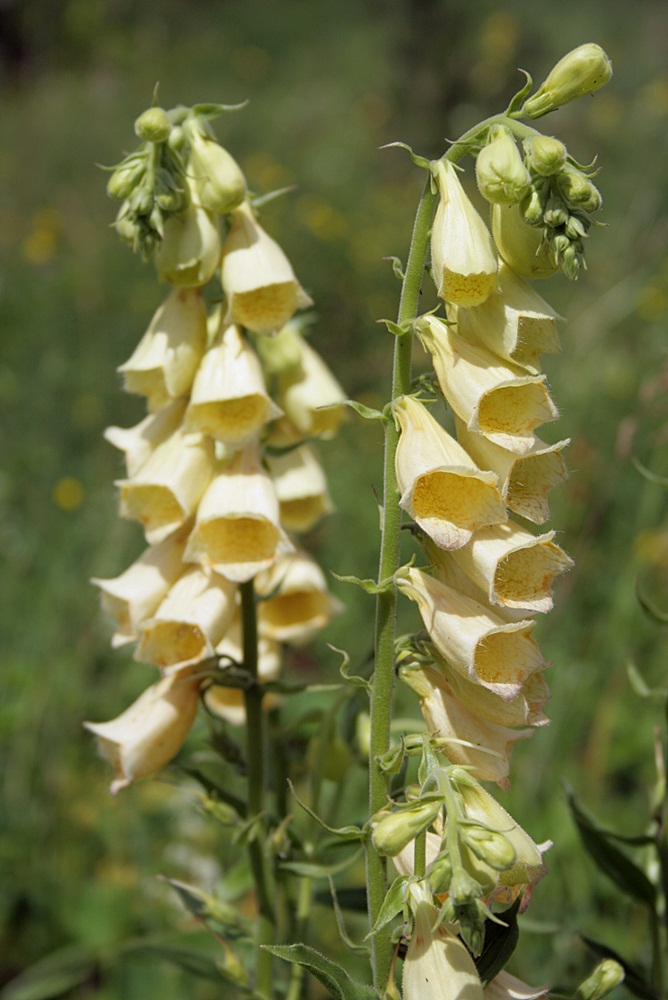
(229, 399)
(259, 283)
(462, 250)
(491, 397)
(238, 531)
(149, 733)
(163, 364)
(446, 493)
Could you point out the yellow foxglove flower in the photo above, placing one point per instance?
(404, 861)
(479, 805)
(514, 568)
(297, 602)
(526, 481)
(163, 364)
(462, 251)
(149, 733)
(217, 181)
(520, 245)
(497, 399)
(468, 739)
(437, 964)
(135, 595)
(498, 654)
(507, 987)
(259, 283)
(190, 621)
(442, 489)
(311, 397)
(168, 487)
(514, 322)
(227, 702)
(139, 442)
(229, 398)
(237, 531)
(448, 571)
(189, 252)
(301, 488)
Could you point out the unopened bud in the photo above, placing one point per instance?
(546, 154)
(580, 72)
(603, 979)
(556, 213)
(125, 177)
(153, 126)
(532, 207)
(440, 873)
(395, 830)
(578, 190)
(217, 180)
(488, 845)
(502, 177)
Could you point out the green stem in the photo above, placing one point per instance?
(255, 747)
(303, 913)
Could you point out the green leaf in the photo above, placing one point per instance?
(650, 609)
(500, 942)
(640, 686)
(368, 412)
(395, 899)
(191, 960)
(205, 907)
(648, 474)
(397, 267)
(519, 98)
(342, 833)
(310, 869)
(357, 949)
(260, 200)
(396, 329)
(213, 110)
(335, 979)
(58, 973)
(354, 679)
(619, 868)
(634, 978)
(214, 789)
(419, 161)
(368, 586)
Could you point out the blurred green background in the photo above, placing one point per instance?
(329, 83)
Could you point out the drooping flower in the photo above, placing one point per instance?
(310, 395)
(148, 734)
(189, 252)
(139, 442)
(462, 251)
(296, 600)
(301, 488)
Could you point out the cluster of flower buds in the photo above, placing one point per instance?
(221, 473)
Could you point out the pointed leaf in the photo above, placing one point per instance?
(419, 161)
(332, 976)
(214, 789)
(368, 586)
(364, 411)
(397, 267)
(357, 949)
(310, 869)
(395, 899)
(518, 100)
(648, 474)
(625, 874)
(500, 942)
(651, 610)
(213, 110)
(634, 978)
(191, 960)
(354, 679)
(343, 832)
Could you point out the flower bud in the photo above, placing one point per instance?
(393, 831)
(603, 979)
(153, 126)
(580, 72)
(522, 247)
(126, 177)
(578, 190)
(490, 846)
(533, 204)
(502, 177)
(189, 251)
(547, 155)
(218, 183)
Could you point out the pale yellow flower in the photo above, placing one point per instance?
(301, 488)
(311, 397)
(163, 364)
(507, 987)
(189, 253)
(229, 399)
(526, 481)
(148, 734)
(168, 487)
(514, 322)
(442, 489)
(259, 283)
(190, 621)
(482, 646)
(238, 531)
(462, 251)
(492, 397)
(135, 595)
(139, 442)
(217, 182)
(296, 601)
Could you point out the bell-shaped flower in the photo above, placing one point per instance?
(228, 702)
(260, 286)
(497, 399)
(311, 397)
(467, 739)
(139, 442)
(482, 807)
(148, 734)
(437, 965)
(135, 595)
(514, 568)
(189, 252)
(514, 322)
(521, 246)
(296, 602)
(217, 182)
(163, 364)
(229, 399)
(168, 487)
(238, 531)
(190, 621)
(301, 488)
(482, 646)
(525, 481)
(441, 488)
(462, 251)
